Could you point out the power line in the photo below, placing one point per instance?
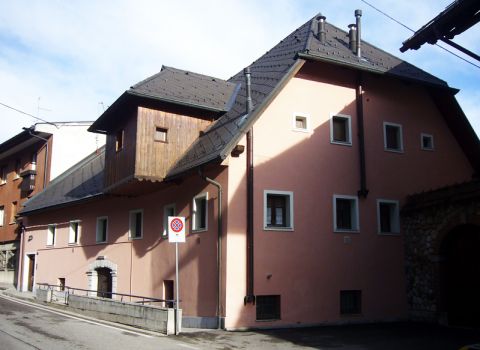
(22, 112)
(410, 29)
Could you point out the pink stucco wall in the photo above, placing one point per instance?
(143, 264)
(311, 264)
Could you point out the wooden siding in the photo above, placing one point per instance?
(154, 158)
(120, 165)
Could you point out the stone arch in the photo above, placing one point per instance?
(92, 275)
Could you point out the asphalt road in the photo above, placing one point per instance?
(29, 326)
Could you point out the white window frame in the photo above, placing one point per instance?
(396, 217)
(349, 133)
(71, 232)
(166, 207)
(289, 209)
(130, 223)
(195, 215)
(399, 126)
(307, 128)
(422, 135)
(97, 231)
(355, 217)
(51, 235)
(2, 215)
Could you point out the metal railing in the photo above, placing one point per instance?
(106, 295)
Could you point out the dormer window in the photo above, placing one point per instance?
(161, 134)
(119, 138)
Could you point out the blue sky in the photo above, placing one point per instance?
(65, 60)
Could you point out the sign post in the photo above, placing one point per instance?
(176, 234)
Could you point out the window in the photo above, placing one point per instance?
(136, 224)
(61, 284)
(388, 216)
(427, 142)
(119, 138)
(301, 122)
(102, 227)
(13, 212)
(51, 235)
(341, 129)
(200, 212)
(278, 210)
(74, 232)
(393, 139)
(18, 168)
(3, 175)
(168, 293)
(161, 134)
(268, 307)
(350, 302)
(345, 213)
(168, 210)
(34, 161)
(2, 215)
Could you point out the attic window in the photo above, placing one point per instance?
(427, 142)
(119, 137)
(161, 134)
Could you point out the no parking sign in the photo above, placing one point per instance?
(176, 229)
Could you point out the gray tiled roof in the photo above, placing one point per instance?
(82, 181)
(180, 86)
(268, 71)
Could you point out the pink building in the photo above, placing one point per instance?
(312, 173)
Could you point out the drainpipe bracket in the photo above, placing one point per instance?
(249, 299)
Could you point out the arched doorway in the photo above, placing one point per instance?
(460, 276)
(104, 283)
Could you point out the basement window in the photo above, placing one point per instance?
(341, 129)
(136, 224)
(427, 142)
(200, 212)
(350, 302)
(61, 283)
(161, 134)
(393, 138)
(268, 307)
(388, 214)
(119, 140)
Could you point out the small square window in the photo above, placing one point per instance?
(427, 142)
(268, 307)
(345, 213)
(119, 140)
(300, 122)
(51, 231)
(168, 210)
(350, 302)
(200, 212)
(102, 229)
(161, 134)
(136, 224)
(393, 139)
(74, 232)
(340, 129)
(278, 210)
(388, 214)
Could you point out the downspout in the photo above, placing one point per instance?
(46, 155)
(219, 246)
(20, 258)
(363, 191)
(250, 297)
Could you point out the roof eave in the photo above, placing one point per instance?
(60, 205)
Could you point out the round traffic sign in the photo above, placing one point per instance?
(176, 225)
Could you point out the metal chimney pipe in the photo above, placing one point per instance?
(358, 14)
(248, 87)
(322, 34)
(352, 37)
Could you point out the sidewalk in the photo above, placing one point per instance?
(10, 290)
